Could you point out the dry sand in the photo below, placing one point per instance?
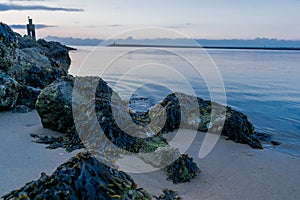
(230, 171)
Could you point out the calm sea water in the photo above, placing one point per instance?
(265, 85)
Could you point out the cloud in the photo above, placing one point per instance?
(26, 0)
(115, 25)
(7, 7)
(23, 26)
(179, 26)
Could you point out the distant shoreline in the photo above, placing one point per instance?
(205, 47)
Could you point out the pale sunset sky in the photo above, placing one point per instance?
(209, 19)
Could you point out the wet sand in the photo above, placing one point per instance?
(230, 171)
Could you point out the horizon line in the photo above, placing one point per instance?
(224, 39)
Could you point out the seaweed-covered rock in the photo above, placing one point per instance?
(92, 97)
(54, 105)
(182, 170)
(168, 195)
(82, 177)
(224, 120)
(239, 129)
(8, 91)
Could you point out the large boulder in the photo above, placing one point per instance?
(8, 91)
(54, 105)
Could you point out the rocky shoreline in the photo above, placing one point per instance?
(34, 75)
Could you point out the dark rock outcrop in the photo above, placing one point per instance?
(8, 91)
(34, 65)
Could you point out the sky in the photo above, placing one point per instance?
(207, 19)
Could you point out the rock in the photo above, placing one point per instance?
(54, 105)
(34, 69)
(82, 177)
(56, 52)
(34, 65)
(25, 41)
(235, 126)
(238, 128)
(275, 143)
(8, 91)
(28, 96)
(182, 170)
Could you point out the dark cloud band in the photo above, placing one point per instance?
(7, 7)
(37, 26)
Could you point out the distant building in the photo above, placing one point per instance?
(31, 29)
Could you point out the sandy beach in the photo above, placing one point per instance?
(230, 171)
